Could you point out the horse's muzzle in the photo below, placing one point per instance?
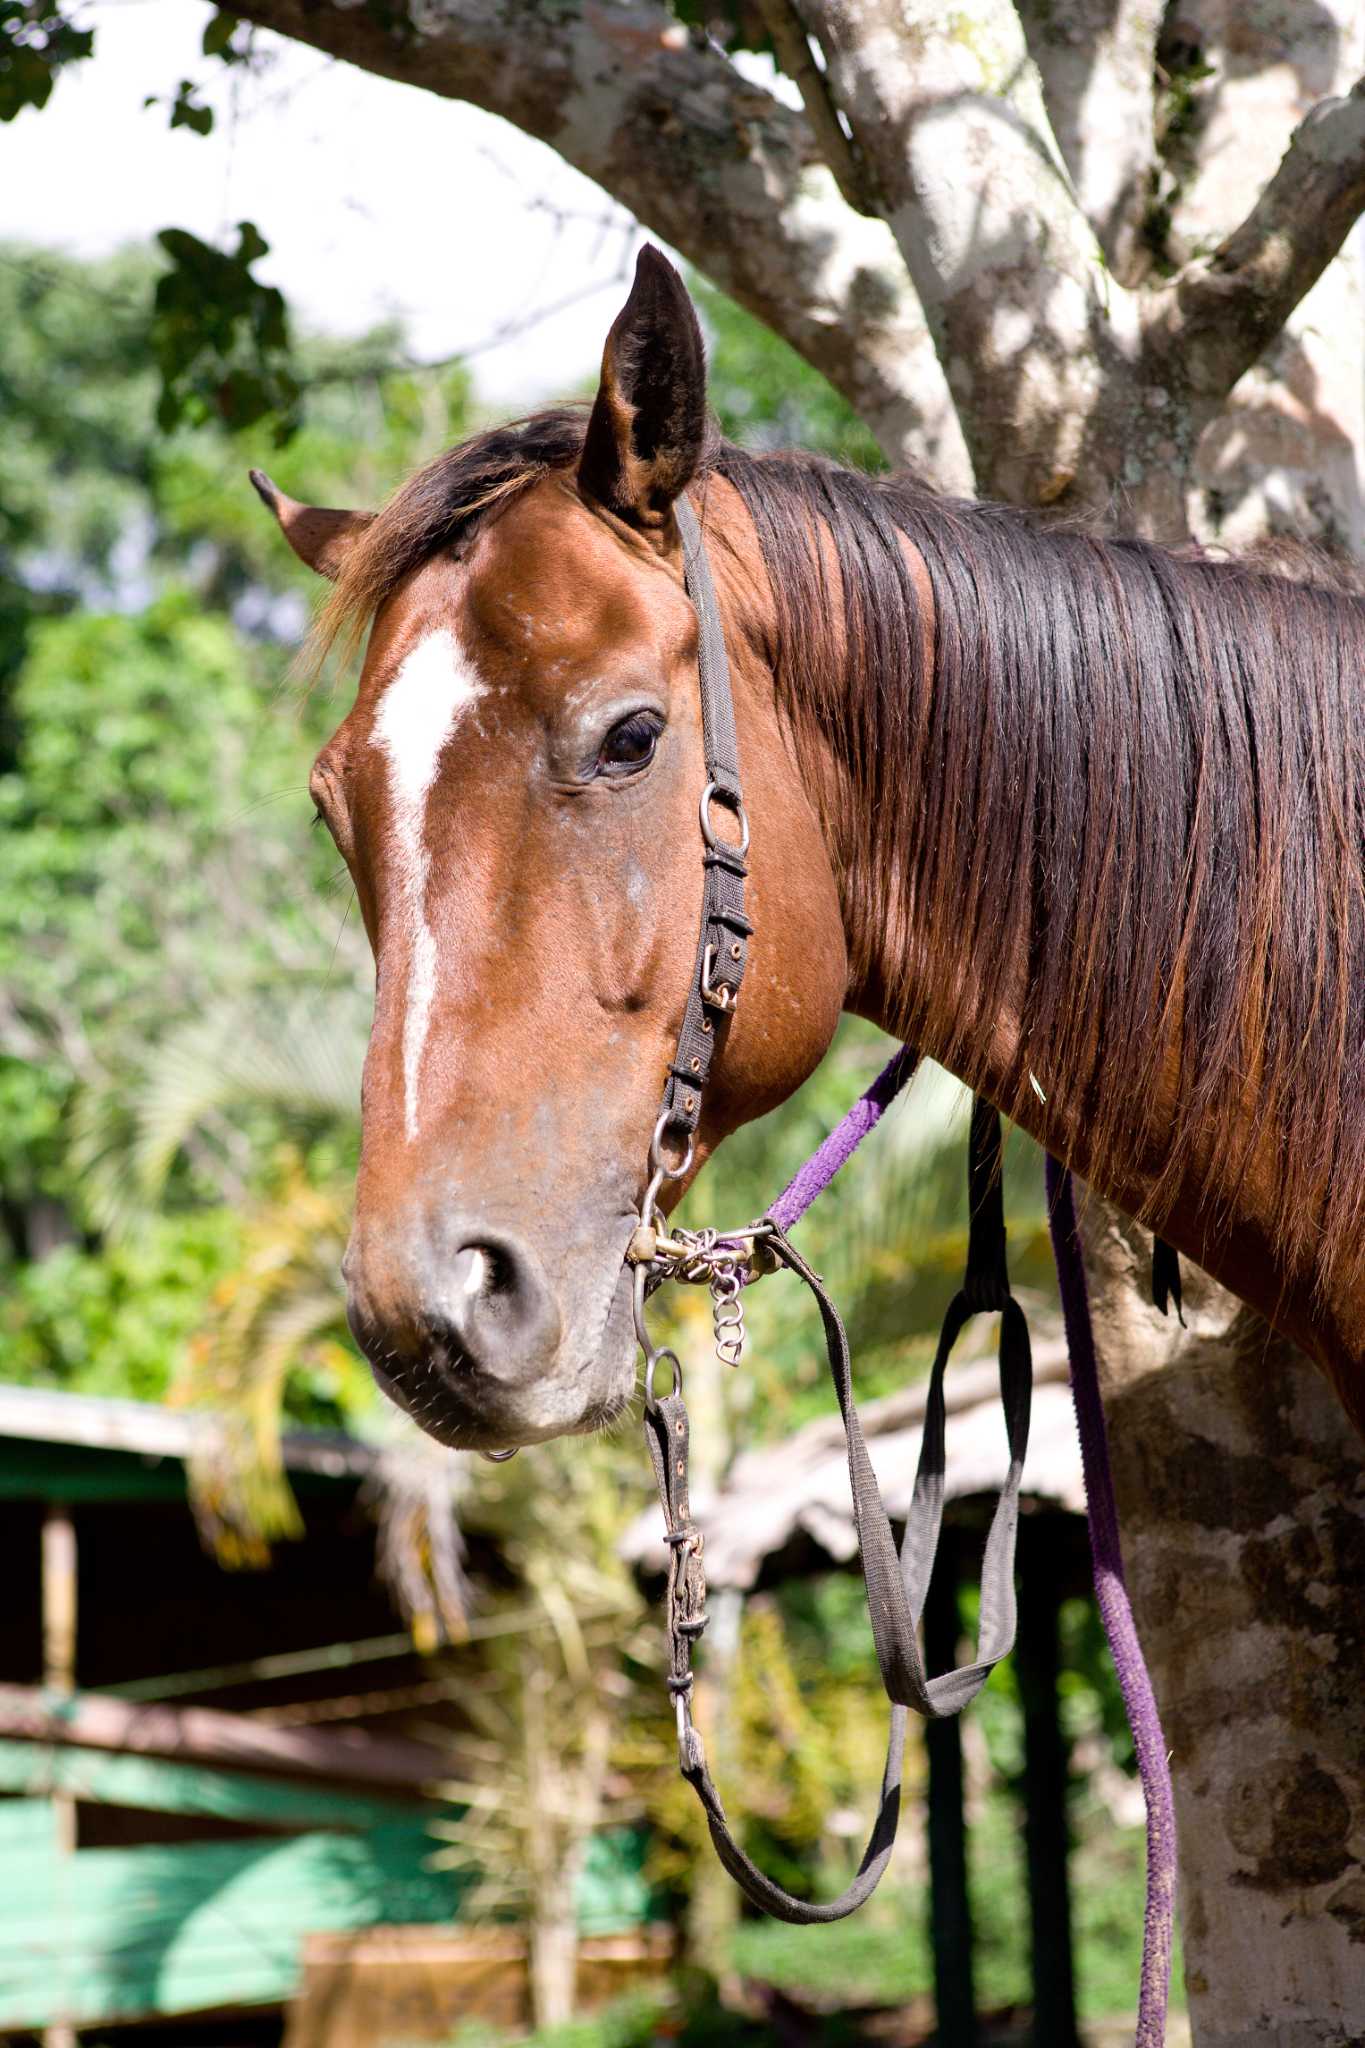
(454, 1332)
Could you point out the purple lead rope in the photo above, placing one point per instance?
(1111, 1594)
(1111, 1591)
(843, 1141)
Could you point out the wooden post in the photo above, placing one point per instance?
(1046, 1834)
(59, 1676)
(950, 1915)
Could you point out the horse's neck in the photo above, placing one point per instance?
(962, 1001)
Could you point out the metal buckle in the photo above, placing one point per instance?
(715, 996)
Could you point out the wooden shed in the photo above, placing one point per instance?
(182, 1796)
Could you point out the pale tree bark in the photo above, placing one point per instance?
(946, 105)
(716, 165)
(1096, 61)
(1283, 455)
(1242, 1499)
(1045, 243)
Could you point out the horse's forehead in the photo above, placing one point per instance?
(545, 601)
(548, 589)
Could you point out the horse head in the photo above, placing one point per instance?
(515, 794)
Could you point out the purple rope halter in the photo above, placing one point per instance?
(1111, 1591)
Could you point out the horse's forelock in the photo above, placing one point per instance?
(438, 506)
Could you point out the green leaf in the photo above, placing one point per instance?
(36, 42)
(218, 39)
(188, 112)
(221, 337)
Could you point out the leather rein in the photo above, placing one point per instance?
(897, 1585)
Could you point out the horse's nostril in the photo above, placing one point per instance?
(482, 1270)
(495, 1312)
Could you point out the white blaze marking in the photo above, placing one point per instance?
(417, 715)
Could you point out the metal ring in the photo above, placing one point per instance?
(732, 803)
(656, 1157)
(675, 1363)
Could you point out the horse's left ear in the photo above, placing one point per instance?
(320, 537)
(648, 425)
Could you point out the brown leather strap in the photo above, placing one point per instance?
(723, 942)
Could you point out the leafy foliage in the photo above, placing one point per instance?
(765, 396)
(221, 337)
(112, 1319)
(37, 40)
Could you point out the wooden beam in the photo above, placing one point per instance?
(150, 1784)
(207, 1735)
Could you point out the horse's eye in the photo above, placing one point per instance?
(630, 744)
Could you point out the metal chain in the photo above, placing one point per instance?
(725, 1261)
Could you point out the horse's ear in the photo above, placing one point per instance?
(648, 425)
(318, 536)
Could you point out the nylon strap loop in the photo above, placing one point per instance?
(896, 1586)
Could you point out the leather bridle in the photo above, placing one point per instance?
(727, 1262)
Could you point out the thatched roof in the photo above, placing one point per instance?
(794, 1494)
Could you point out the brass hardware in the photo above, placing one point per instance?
(644, 1245)
(719, 998)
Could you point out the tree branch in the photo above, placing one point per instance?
(1220, 315)
(715, 165)
(945, 103)
(794, 55)
(1097, 61)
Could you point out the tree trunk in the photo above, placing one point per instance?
(553, 1942)
(1242, 1501)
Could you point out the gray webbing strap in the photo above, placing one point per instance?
(723, 942)
(896, 1587)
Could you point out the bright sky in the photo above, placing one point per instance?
(353, 181)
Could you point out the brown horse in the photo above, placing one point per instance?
(1082, 819)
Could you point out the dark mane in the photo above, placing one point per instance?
(1134, 779)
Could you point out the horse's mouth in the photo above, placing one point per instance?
(450, 1399)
